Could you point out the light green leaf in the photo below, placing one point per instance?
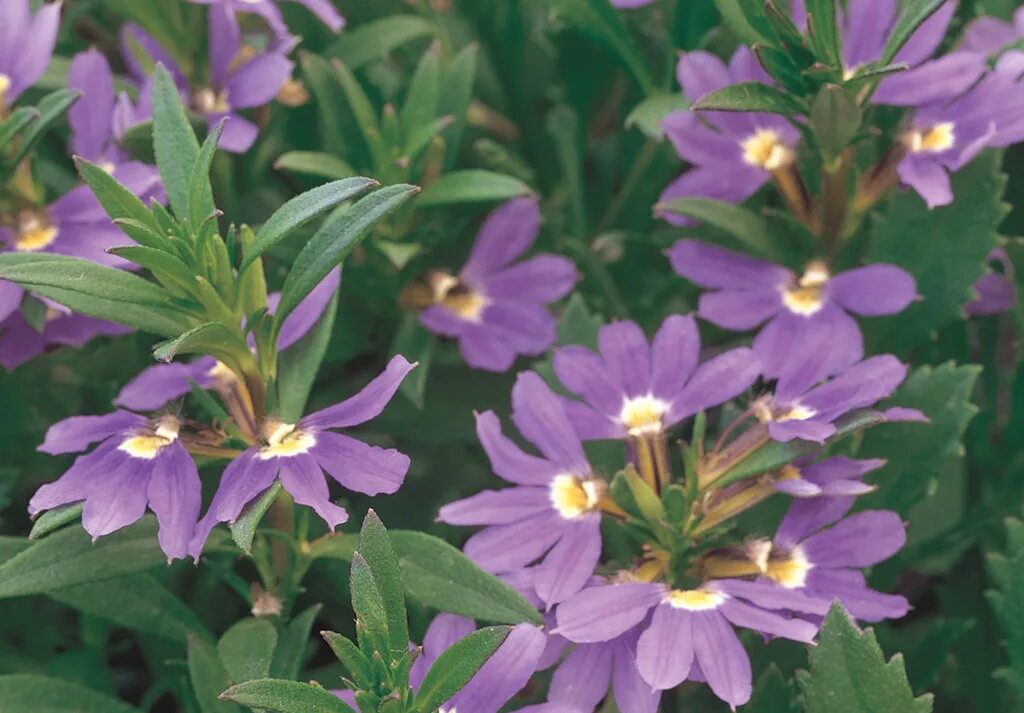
(376, 549)
(303, 208)
(285, 697)
(472, 186)
(315, 163)
(211, 338)
(70, 557)
(247, 649)
(334, 241)
(298, 365)
(138, 602)
(848, 673)
(174, 141)
(648, 114)
(375, 39)
(453, 669)
(746, 226)
(438, 575)
(751, 96)
(32, 693)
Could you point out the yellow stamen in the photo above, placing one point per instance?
(34, 232)
(642, 415)
(937, 139)
(286, 441)
(807, 297)
(694, 599)
(765, 149)
(573, 497)
(210, 101)
(147, 445)
(791, 571)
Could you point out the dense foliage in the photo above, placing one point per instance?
(675, 342)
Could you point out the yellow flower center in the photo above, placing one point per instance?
(5, 84)
(34, 232)
(791, 571)
(210, 101)
(456, 296)
(796, 412)
(765, 149)
(807, 296)
(694, 599)
(937, 139)
(148, 445)
(643, 414)
(573, 497)
(286, 441)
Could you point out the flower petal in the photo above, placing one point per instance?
(365, 405)
(506, 234)
(540, 416)
(78, 432)
(359, 466)
(603, 612)
(175, 494)
(665, 652)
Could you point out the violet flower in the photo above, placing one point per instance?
(26, 45)
(836, 477)
(991, 35)
(633, 388)
(156, 385)
(138, 462)
(271, 13)
(802, 313)
(997, 291)
(299, 453)
(496, 309)
(21, 342)
(553, 512)
(801, 409)
(686, 628)
(238, 79)
(733, 154)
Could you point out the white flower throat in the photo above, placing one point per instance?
(148, 443)
(807, 296)
(573, 497)
(936, 139)
(643, 415)
(765, 149)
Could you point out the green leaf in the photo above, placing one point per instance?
(944, 248)
(174, 141)
(368, 604)
(168, 269)
(453, 668)
(421, 102)
(55, 519)
(208, 678)
(324, 84)
(70, 557)
(122, 205)
(1006, 572)
(835, 118)
(303, 208)
(247, 649)
(456, 96)
(314, 163)
(285, 697)
(848, 673)
(746, 226)
(334, 241)
(292, 644)
(915, 12)
(578, 324)
(471, 186)
(13, 125)
(243, 530)
(773, 693)
(200, 192)
(95, 290)
(917, 452)
(751, 96)
(746, 20)
(138, 602)
(822, 31)
(32, 693)
(51, 108)
(298, 365)
(416, 344)
(211, 338)
(358, 666)
(440, 576)
(648, 114)
(372, 40)
(598, 20)
(363, 112)
(376, 549)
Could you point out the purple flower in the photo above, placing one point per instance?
(802, 313)
(503, 675)
(138, 462)
(238, 78)
(997, 291)
(990, 35)
(100, 118)
(26, 45)
(836, 477)
(944, 136)
(552, 514)
(689, 628)
(299, 453)
(801, 409)
(158, 384)
(633, 388)
(495, 309)
(20, 341)
(733, 154)
(824, 563)
(271, 13)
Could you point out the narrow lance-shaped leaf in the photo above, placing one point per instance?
(334, 241)
(247, 649)
(200, 192)
(823, 32)
(368, 604)
(472, 186)
(122, 205)
(456, 666)
(174, 141)
(303, 208)
(13, 125)
(456, 95)
(751, 96)
(420, 107)
(285, 697)
(371, 40)
(355, 662)
(742, 223)
(376, 549)
(30, 692)
(51, 108)
(915, 12)
(292, 643)
(314, 163)
(211, 338)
